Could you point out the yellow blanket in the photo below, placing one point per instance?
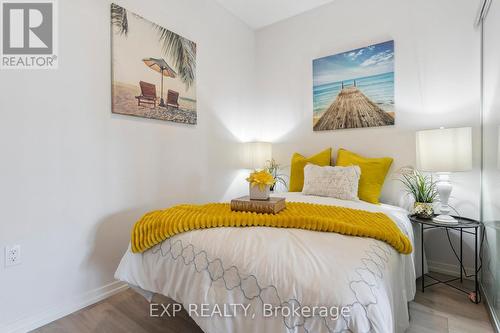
(156, 226)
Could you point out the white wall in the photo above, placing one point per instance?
(437, 84)
(74, 177)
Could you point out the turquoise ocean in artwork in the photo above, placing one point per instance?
(378, 88)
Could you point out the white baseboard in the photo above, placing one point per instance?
(448, 269)
(58, 311)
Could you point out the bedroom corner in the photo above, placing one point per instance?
(222, 166)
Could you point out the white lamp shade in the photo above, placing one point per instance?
(445, 150)
(256, 154)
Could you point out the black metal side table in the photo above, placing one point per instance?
(463, 226)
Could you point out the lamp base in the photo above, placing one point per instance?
(445, 219)
(444, 188)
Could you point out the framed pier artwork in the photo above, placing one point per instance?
(354, 89)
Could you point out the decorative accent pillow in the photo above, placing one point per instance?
(373, 172)
(299, 162)
(336, 182)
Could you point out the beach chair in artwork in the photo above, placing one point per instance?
(173, 98)
(148, 94)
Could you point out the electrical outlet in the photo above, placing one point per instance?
(12, 255)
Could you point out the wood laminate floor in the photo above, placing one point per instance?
(439, 310)
(442, 309)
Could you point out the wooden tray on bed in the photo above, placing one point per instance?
(272, 206)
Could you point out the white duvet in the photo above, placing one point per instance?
(291, 268)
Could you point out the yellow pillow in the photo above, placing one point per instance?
(373, 172)
(299, 162)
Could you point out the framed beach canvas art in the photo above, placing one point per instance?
(153, 70)
(354, 89)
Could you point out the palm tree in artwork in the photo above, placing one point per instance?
(180, 49)
(119, 18)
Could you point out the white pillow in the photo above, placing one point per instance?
(336, 182)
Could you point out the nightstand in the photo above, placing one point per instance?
(464, 226)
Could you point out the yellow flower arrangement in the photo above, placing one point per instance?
(261, 178)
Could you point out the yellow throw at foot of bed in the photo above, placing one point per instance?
(156, 226)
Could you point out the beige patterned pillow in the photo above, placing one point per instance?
(336, 182)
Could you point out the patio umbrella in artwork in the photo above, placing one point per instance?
(161, 66)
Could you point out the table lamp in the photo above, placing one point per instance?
(443, 151)
(256, 154)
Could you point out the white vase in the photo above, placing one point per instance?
(258, 193)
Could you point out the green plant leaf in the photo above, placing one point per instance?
(420, 186)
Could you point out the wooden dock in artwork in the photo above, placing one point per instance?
(352, 109)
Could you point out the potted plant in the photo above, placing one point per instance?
(422, 188)
(274, 169)
(260, 183)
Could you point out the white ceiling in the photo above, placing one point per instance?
(259, 13)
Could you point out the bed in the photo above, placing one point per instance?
(269, 270)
